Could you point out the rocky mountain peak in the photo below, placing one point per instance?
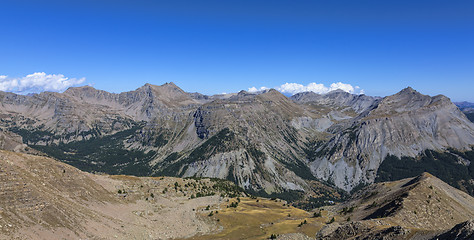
(304, 96)
(273, 92)
(170, 87)
(338, 91)
(152, 87)
(79, 89)
(243, 92)
(408, 90)
(274, 96)
(170, 84)
(407, 99)
(168, 94)
(85, 92)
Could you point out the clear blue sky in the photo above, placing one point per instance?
(226, 46)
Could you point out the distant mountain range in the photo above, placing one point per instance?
(463, 105)
(265, 142)
(467, 108)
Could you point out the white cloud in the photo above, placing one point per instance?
(38, 82)
(343, 86)
(254, 89)
(294, 88)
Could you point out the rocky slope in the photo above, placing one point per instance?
(415, 208)
(402, 125)
(265, 142)
(240, 148)
(464, 230)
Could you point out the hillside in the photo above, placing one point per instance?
(414, 208)
(41, 198)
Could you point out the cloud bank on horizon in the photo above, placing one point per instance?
(38, 82)
(294, 88)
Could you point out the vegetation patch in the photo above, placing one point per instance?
(159, 141)
(444, 165)
(310, 149)
(223, 141)
(317, 202)
(33, 135)
(261, 219)
(288, 195)
(300, 169)
(102, 154)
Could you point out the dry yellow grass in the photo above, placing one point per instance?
(258, 220)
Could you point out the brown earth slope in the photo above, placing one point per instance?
(41, 198)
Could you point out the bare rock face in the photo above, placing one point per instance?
(404, 124)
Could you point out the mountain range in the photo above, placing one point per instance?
(265, 142)
(467, 108)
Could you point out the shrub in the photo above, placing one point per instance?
(234, 204)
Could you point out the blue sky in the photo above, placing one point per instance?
(226, 46)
